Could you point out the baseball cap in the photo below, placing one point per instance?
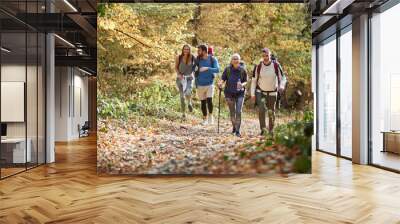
(266, 50)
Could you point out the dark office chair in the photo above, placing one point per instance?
(84, 130)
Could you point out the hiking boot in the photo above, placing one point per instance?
(205, 122)
(233, 131)
(210, 119)
(190, 107)
(238, 134)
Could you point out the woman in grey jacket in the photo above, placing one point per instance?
(184, 67)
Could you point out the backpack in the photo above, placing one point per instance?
(277, 68)
(210, 50)
(284, 80)
(281, 79)
(242, 64)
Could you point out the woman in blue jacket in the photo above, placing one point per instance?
(235, 78)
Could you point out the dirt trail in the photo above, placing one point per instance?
(186, 147)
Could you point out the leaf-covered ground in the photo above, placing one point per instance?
(187, 147)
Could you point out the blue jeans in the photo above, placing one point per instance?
(235, 105)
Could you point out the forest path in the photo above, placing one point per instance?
(187, 147)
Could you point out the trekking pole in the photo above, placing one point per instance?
(219, 106)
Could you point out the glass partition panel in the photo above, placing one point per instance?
(346, 92)
(32, 98)
(15, 151)
(327, 95)
(22, 78)
(385, 89)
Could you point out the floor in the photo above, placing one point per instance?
(10, 171)
(5, 172)
(70, 191)
(387, 159)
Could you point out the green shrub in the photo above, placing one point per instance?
(112, 108)
(158, 100)
(296, 134)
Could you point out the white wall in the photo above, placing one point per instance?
(80, 89)
(70, 83)
(12, 73)
(62, 81)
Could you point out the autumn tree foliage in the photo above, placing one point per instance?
(140, 41)
(140, 126)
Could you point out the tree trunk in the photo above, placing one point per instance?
(196, 22)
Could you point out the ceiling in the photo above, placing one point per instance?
(330, 15)
(204, 1)
(73, 21)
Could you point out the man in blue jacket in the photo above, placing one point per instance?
(207, 66)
